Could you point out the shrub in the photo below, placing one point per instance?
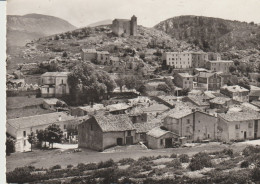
(199, 161)
(249, 150)
(175, 164)
(20, 174)
(126, 161)
(146, 158)
(174, 155)
(81, 166)
(69, 166)
(244, 164)
(255, 174)
(55, 167)
(184, 158)
(228, 152)
(106, 164)
(147, 167)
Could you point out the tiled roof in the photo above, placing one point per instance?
(93, 108)
(145, 127)
(55, 74)
(116, 107)
(157, 132)
(254, 91)
(235, 88)
(240, 116)
(89, 50)
(250, 106)
(156, 108)
(222, 61)
(51, 101)
(185, 75)
(114, 123)
(205, 74)
(102, 52)
(220, 100)
(38, 120)
(178, 113)
(256, 103)
(199, 100)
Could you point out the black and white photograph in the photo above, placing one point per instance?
(131, 91)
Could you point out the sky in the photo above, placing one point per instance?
(81, 13)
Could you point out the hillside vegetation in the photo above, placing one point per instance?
(212, 34)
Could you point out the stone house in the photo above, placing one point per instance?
(219, 65)
(183, 80)
(54, 84)
(103, 131)
(208, 81)
(50, 103)
(103, 57)
(158, 138)
(194, 125)
(119, 108)
(238, 126)
(100, 57)
(155, 109)
(20, 128)
(220, 102)
(236, 92)
(125, 27)
(254, 93)
(214, 56)
(201, 101)
(87, 110)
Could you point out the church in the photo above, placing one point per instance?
(125, 27)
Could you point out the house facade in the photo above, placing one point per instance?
(208, 81)
(104, 131)
(236, 92)
(54, 84)
(100, 57)
(183, 80)
(220, 65)
(20, 128)
(238, 126)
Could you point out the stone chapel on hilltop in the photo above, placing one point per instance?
(125, 27)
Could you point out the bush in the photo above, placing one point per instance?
(146, 158)
(147, 167)
(19, 175)
(249, 150)
(255, 174)
(228, 152)
(199, 161)
(126, 161)
(69, 166)
(55, 167)
(175, 164)
(184, 158)
(174, 155)
(244, 164)
(106, 164)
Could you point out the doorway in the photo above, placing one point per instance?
(168, 143)
(119, 141)
(244, 134)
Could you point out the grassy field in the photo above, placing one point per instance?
(49, 158)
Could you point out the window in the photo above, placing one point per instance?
(250, 125)
(24, 133)
(62, 81)
(48, 90)
(91, 127)
(24, 143)
(237, 126)
(161, 142)
(188, 121)
(129, 133)
(187, 129)
(198, 121)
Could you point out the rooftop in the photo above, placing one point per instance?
(200, 100)
(221, 61)
(51, 101)
(89, 50)
(55, 74)
(39, 120)
(178, 113)
(102, 52)
(157, 132)
(156, 108)
(239, 116)
(186, 75)
(116, 107)
(235, 88)
(205, 74)
(114, 123)
(220, 100)
(145, 127)
(90, 108)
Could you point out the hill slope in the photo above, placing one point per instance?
(212, 34)
(21, 29)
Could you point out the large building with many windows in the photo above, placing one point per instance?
(219, 66)
(185, 59)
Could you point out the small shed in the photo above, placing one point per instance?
(158, 138)
(50, 103)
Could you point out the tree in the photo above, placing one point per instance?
(232, 68)
(64, 54)
(10, 145)
(163, 87)
(169, 82)
(32, 139)
(42, 136)
(54, 134)
(120, 81)
(244, 83)
(88, 84)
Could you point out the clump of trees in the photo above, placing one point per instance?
(88, 84)
(130, 82)
(10, 145)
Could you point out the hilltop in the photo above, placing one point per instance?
(212, 34)
(23, 29)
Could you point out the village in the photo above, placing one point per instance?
(118, 102)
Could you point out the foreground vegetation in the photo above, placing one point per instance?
(216, 167)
